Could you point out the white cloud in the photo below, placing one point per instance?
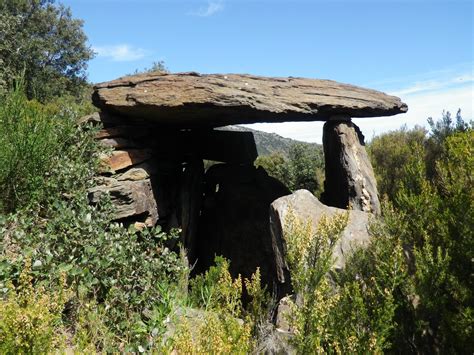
(120, 52)
(430, 85)
(420, 107)
(210, 9)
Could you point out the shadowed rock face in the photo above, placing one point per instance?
(194, 100)
(350, 180)
(235, 220)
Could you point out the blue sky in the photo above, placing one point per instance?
(419, 50)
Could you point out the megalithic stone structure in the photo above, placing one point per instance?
(161, 126)
(349, 177)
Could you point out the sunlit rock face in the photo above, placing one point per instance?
(211, 100)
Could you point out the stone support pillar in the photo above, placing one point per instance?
(350, 180)
(190, 199)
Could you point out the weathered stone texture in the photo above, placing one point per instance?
(121, 159)
(307, 208)
(350, 180)
(130, 198)
(194, 100)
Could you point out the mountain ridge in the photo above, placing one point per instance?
(269, 143)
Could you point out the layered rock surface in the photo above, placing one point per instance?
(307, 208)
(350, 180)
(131, 198)
(212, 100)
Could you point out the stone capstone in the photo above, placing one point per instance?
(307, 208)
(350, 180)
(130, 199)
(210, 100)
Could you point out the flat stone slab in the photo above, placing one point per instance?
(196, 100)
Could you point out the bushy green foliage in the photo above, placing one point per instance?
(303, 169)
(227, 326)
(156, 67)
(410, 289)
(216, 290)
(433, 220)
(30, 139)
(437, 221)
(125, 273)
(30, 317)
(340, 313)
(42, 40)
(390, 153)
(440, 130)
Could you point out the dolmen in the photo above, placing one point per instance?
(161, 128)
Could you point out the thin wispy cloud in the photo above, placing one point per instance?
(210, 9)
(120, 52)
(434, 85)
(445, 91)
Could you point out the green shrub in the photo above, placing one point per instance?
(43, 152)
(303, 169)
(215, 290)
(390, 153)
(436, 222)
(349, 311)
(123, 270)
(227, 326)
(30, 141)
(433, 219)
(128, 275)
(30, 317)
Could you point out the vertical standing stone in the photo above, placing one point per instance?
(350, 180)
(235, 220)
(190, 199)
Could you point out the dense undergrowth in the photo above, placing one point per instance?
(71, 278)
(118, 286)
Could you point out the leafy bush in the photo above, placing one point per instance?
(30, 317)
(436, 220)
(30, 141)
(226, 326)
(433, 220)
(390, 153)
(122, 269)
(127, 274)
(303, 169)
(352, 310)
